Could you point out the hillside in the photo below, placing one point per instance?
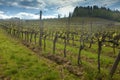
(19, 63)
(22, 63)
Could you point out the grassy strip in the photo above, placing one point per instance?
(89, 60)
(19, 63)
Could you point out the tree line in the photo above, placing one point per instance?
(95, 11)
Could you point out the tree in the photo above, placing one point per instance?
(96, 11)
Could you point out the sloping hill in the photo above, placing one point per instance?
(18, 63)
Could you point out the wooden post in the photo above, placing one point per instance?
(114, 67)
(35, 36)
(22, 34)
(91, 40)
(54, 42)
(66, 38)
(73, 39)
(68, 27)
(81, 47)
(65, 44)
(41, 30)
(99, 52)
(45, 41)
(31, 35)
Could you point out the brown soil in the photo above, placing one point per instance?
(2, 77)
(76, 70)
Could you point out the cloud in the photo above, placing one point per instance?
(106, 3)
(65, 10)
(62, 7)
(51, 7)
(38, 4)
(3, 16)
(49, 16)
(24, 15)
(42, 4)
(109, 2)
(21, 15)
(1, 12)
(28, 4)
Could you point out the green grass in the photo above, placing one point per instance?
(89, 56)
(18, 63)
(89, 60)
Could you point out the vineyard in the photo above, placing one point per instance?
(88, 48)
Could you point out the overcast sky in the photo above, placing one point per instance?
(29, 9)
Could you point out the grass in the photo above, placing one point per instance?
(89, 60)
(89, 56)
(19, 63)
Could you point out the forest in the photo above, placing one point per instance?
(95, 11)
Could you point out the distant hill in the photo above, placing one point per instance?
(95, 11)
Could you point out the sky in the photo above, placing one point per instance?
(29, 9)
